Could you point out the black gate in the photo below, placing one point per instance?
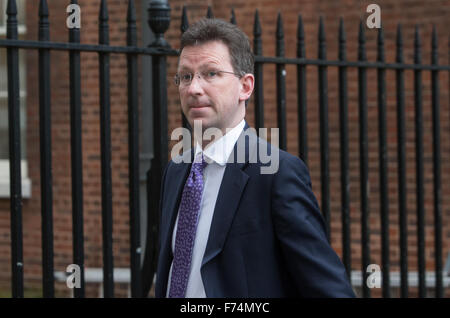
(159, 20)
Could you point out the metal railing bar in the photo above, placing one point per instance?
(61, 46)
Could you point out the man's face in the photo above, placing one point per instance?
(218, 101)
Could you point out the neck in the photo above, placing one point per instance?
(213, 137)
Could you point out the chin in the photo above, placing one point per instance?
(205, 122)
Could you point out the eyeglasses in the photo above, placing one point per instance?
(184, 79)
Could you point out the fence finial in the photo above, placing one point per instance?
(103, 11)
(361, 42)
(103, 26)
(342, 40)
(131, 12)
(434, 46)
(417, 45)
(11, 9)
(159, 21)
(321, 29)
(280, 31)
(300, 30)
(11, 23)
(322, 40)
(399, 42)
(399, 35)
(209, 13)
(44, 32)
(257, 25)
(380, 43)
(11, 12)
(417, 36)
(233, 17)
(280, 35)
(184, 20)
(43, 8)
(300, 38)
(131, 27)
(342, 35)
(257, 42)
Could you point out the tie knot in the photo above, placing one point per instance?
(197, 170)
(199, 163)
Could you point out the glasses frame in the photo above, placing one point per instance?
(177, 80)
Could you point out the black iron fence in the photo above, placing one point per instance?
(159, 20)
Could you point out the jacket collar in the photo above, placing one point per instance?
(220, 150)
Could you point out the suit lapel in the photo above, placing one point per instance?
(233, 184)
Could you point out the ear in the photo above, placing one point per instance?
(247, 85)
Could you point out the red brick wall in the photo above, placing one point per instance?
(408, 13)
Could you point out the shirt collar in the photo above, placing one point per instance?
(221, 149)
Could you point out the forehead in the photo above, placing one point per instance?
(213, 52)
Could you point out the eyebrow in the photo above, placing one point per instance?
(202, 67)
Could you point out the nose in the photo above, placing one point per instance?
(195, 88)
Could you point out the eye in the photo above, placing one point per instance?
(186, 77)
(210, 74)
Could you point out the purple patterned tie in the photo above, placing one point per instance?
(186, 228)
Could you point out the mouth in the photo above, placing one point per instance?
(198, 106)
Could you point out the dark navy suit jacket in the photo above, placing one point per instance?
(267, 236)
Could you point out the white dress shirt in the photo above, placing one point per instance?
(216, 155)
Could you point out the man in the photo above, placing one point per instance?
(228, 230)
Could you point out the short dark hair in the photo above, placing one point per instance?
(207, 30)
